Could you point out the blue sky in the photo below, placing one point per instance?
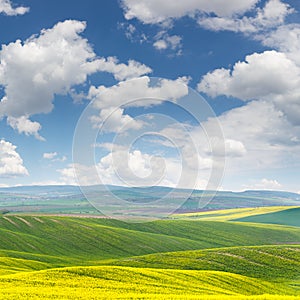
(198, 94)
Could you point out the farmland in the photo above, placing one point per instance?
(288, 217)
(208, 255)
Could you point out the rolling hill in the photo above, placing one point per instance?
(57, 257)
(133, 283)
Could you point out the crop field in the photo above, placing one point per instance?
(289, 217)
(233, 213)
(185, 257)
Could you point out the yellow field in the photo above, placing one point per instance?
(109, 282)
(81, 258)
(231, 214)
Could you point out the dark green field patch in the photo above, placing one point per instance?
(288, 217)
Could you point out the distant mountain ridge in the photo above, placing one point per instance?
(28, 189)
(71, 199)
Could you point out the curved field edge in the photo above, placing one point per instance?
(231, 213)
(115, 282)
(104, 238)
(288, 217)
(37, 243)
(279, 263)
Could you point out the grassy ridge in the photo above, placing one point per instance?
(85, 234)
(77, 238)
(125, 282)
(64, 241)
(289, 217)
(169, 259)
(278, 263)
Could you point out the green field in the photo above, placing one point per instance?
(289, 217)
(186, 257)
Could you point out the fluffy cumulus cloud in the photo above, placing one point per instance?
(268, 76)
(260, 75)
(245, 16)
(258, 137)
(138, 92)
(164, 13)
(11, 163)
(7, 8)
(267, 126)
(271, 15)
(122, 71)
(26, 126)
(286, 39)
(110, 101)
(135, 168)
(155, 11)
(122, 167)
(34, 71)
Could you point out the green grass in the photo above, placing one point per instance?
(289, 217)
(277, 263)
(230, 214)
(96, 239)
(64, 241)
(52, 257)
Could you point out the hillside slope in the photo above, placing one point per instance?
(132, 283)
(166, 259)
(276, 263)
(288, 217)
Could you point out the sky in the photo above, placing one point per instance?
(191, 94)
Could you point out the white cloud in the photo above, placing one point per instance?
(136, 92)
(130, 30)
(7, 8)
(133, 33)
(160, 45)
(165, 41)
(34, 71)
(264, 184)
(11, 163)
(272, 15)
(114, 120)
(228, 147)
(264, 137)
(124, 168)
(238, 16)
(286, 39)
(156, 11)
(269, 76)
(234, 148)
(259, 76)
(24, 125)
(122, 71)
(53, 156)
(132, 168)
(68, 176)
(50, 155)
(138, 89)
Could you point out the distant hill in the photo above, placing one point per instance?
(71, 200)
